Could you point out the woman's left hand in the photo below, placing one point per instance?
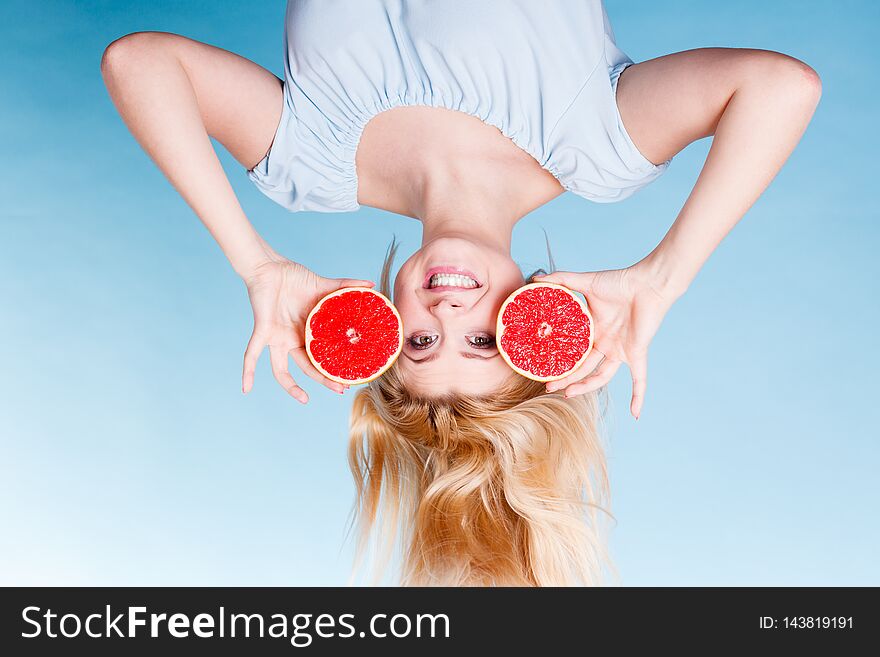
(627, 307)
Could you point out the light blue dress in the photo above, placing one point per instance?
(543, 72)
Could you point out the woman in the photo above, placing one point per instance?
(465, 116)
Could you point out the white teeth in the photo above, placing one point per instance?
(452, 280)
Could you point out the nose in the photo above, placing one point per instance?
(446, 306)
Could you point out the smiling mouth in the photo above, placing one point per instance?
(451, 280)
(448, 278)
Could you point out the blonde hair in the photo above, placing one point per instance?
(503, 490)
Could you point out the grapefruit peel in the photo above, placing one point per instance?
(544, 330)
(352, 333)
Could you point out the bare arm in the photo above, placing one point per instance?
(757, 105)
(174, 94)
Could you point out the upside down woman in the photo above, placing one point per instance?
(465, 116)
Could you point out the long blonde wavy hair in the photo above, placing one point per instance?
(505, 490)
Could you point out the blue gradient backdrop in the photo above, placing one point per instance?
(128, 455)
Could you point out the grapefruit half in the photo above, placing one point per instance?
(353, 335)
(544, 331)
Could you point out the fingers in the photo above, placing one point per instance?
(251, 356)
(572, 280)
(352, 282)
(603, 374)
(302, 360)
(280, 369)
(591, 363)
(639, 370)
(278, 358)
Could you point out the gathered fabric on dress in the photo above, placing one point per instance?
(543, 73)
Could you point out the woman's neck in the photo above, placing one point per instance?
(455, 173)
(460, 204)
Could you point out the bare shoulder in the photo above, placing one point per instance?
(240, 101)
(668, 102)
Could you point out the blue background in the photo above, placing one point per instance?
(128, 454)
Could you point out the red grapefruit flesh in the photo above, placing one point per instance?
(544, 331)
(353, 335)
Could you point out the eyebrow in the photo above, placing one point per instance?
(463, 354)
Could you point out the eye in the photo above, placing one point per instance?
(422, 341)
(481, 341)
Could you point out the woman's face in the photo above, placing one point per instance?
(448, 295)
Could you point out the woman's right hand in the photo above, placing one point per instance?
(282, 293)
